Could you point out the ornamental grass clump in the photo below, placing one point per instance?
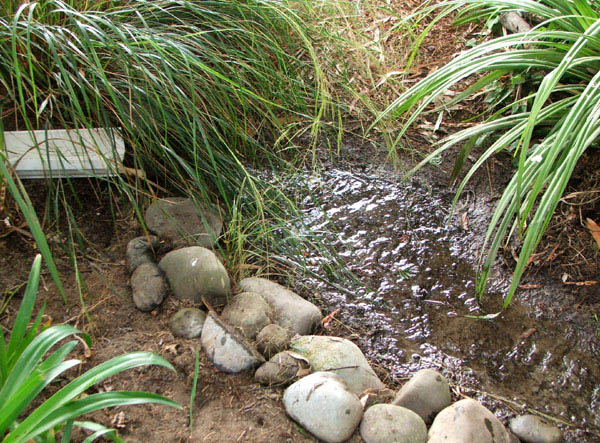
(547, 130)
(198, 89)
(34, 357)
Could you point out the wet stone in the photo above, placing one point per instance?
(322, 404)
(196, 272)
(290, 311)
(467, 421)
(229, 351)
(249, 312)
(140, 250)
(532, 429)
(392, 424)
(183, 222)
(148, 286)
(188, 322)
(281, 369)
(272, 339)
(339, 356)
(426, 393)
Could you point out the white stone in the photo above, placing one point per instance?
(532, 429)
(322, 404)
(426, 393)
(467, 421)
(383, 423)
(339, 356)
(228, 351)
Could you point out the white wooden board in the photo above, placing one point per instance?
(64, 153)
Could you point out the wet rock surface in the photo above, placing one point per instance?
(338, 356)
(229, 351)
(281, 369)
(322, 404)
(140, 250)
(195, 272)
(272, 339)
(290, 310)
(392, 424)
(188, 322)
(148, 286)
(183, 222)
(532, 429)
(426, 393)
(467, 421)
(249, 312)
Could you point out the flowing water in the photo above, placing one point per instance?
(418, 277)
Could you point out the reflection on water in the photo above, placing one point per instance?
(418, 286)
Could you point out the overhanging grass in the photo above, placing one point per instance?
(198, 90)
(560, 121)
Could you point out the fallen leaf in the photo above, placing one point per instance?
(363, 400)
(325, 322)
(298, 357)
(594, 230)
(465, 221)
(303, 372)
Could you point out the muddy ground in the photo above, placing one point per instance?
(541, 354)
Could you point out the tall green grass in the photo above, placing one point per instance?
(199, 90)
(547, 130)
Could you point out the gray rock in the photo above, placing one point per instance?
(272, 339)
(188, 322)
(467, 421)
(140, 250)
(281, 369)
(322, 404)
(148, 286)
(248, 312)
(339, 356)
(181, 221)
(289, 309)
(196, 272)
(512, 438)
(532, 429)
(229, 351)
(392, 424)
(426, 393)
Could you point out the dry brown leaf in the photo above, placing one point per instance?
(325, 322)
(594, 230)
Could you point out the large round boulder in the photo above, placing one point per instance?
(229, 351)
(426, 393)
(383, 423)
(249, 312)
(467, 421)
(322, 404)
(195, 272)
(290, 311)
(184, 222)
(339, 356)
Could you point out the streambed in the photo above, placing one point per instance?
(418, 272)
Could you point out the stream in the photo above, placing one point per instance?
(417, 273)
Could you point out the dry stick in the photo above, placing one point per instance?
(514, 22)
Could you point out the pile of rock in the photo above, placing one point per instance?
(330, 382)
